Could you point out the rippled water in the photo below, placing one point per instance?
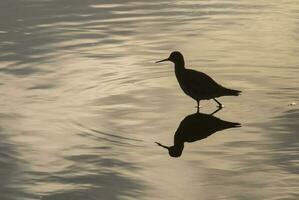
(82, 101)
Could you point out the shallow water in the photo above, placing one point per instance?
(82, 101)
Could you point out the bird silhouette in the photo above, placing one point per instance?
(196, 127)
(195, 84)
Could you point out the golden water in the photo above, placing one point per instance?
(82, 101)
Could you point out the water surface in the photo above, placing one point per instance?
(82, 101)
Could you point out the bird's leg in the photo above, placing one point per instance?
(218, 109)
(198, 105)
(219, 104)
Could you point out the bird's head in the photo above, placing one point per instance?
(175, 57)
(173, 151)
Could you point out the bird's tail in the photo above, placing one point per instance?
(232, 125)
(231, 92)
(235, 124)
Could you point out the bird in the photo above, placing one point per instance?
(196, 127)
(197, 85)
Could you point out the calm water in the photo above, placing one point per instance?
(82, 101)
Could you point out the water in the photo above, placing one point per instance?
(82, 101)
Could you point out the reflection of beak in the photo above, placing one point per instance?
(167, 59)
(161, 145)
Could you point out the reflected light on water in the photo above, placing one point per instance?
(82, 101)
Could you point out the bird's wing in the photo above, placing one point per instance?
(201, 82)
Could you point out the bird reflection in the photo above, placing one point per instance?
(196, 127)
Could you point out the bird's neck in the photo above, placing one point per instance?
(179, 145)
(179, 65)
(178, 140)
(179, 69)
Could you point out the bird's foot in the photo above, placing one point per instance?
(220, 106)
(198, 108)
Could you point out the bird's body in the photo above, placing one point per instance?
(196, 127)
(199, 126)
(198, 85)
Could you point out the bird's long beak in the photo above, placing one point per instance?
(161, 145)
(167, 59)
